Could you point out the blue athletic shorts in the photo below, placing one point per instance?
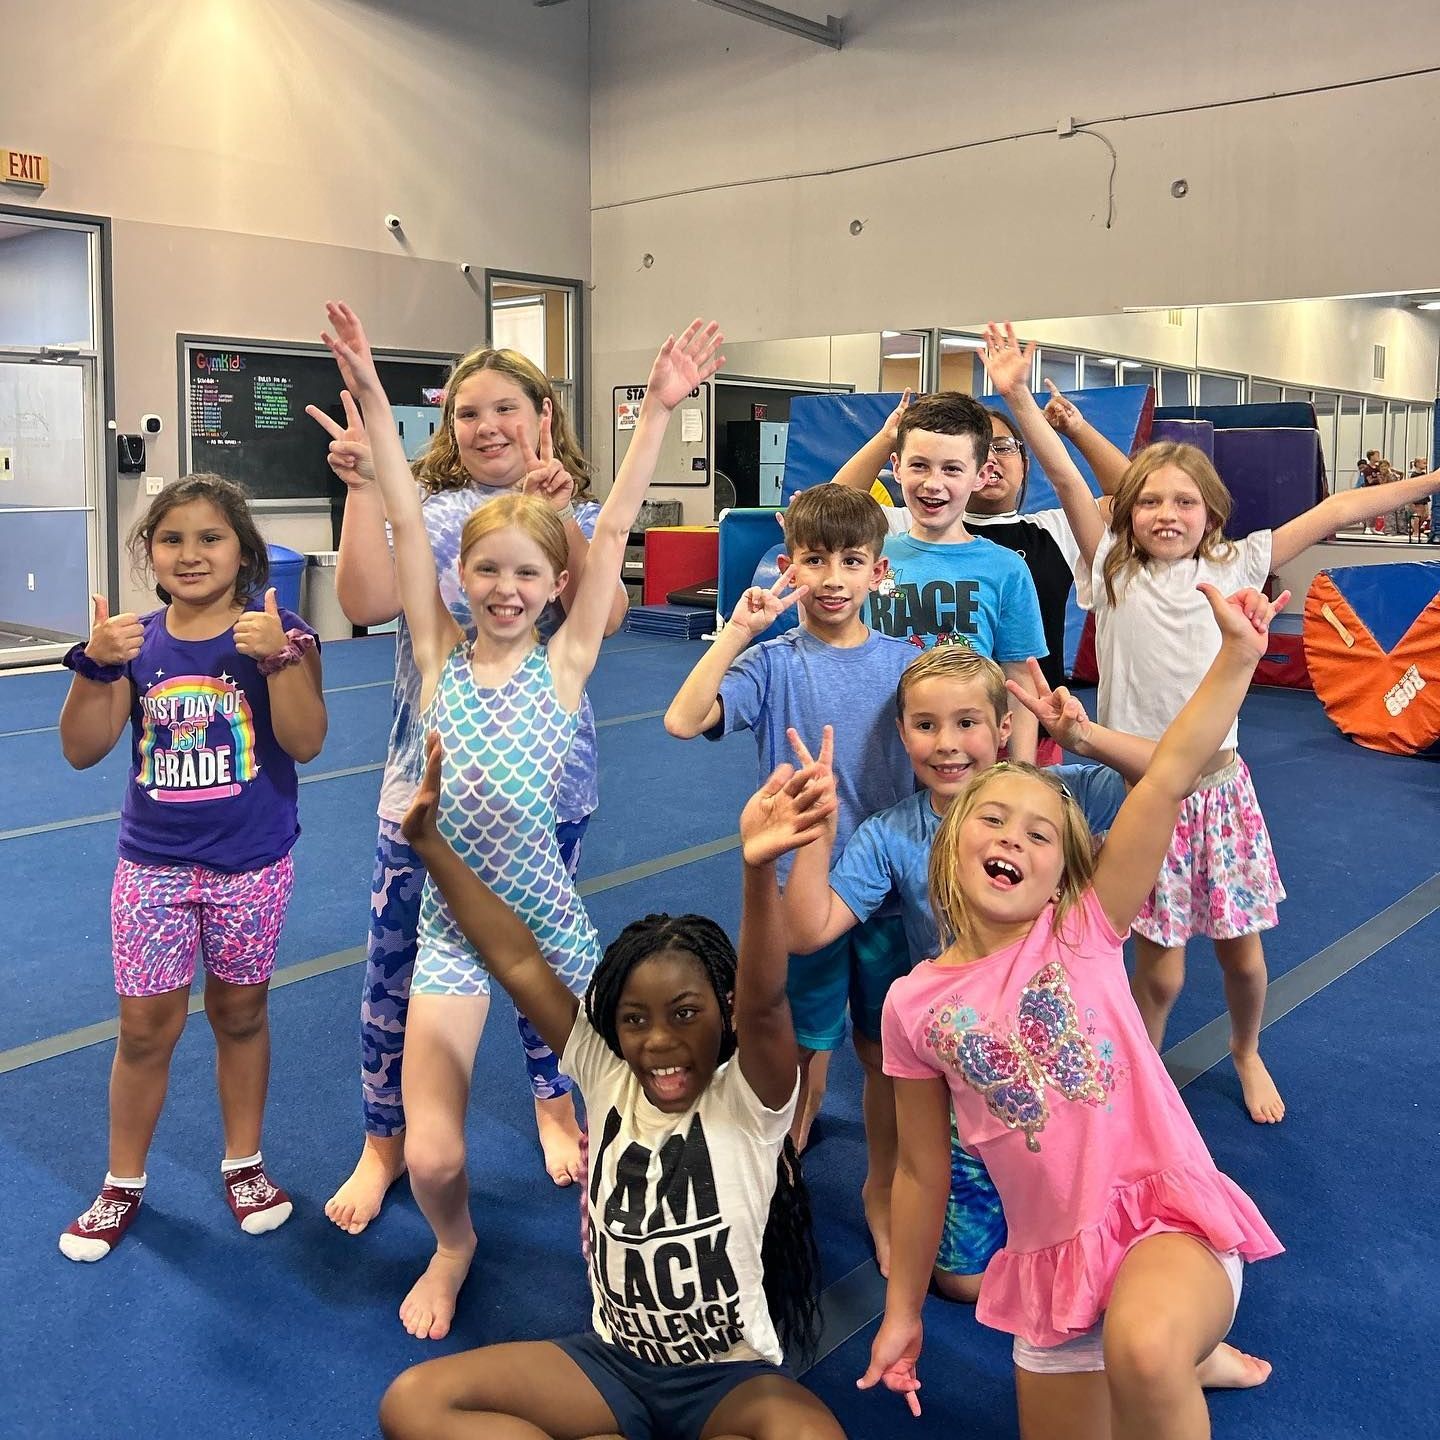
(856, 970)
(974, 1222)
(659, 1402)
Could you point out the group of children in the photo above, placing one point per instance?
(908, 874)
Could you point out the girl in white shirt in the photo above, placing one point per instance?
(1154, 641)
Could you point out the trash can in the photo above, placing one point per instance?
(322, 608)
(286, 569)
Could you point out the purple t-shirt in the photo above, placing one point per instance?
(209, 783)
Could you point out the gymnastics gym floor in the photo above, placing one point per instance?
(194, 1328)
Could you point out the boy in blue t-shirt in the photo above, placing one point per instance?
(830, 670)
(946, 586)
(951, 706)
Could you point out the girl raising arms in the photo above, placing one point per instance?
(506, 709)
(1121, 1272)
(702, 1262)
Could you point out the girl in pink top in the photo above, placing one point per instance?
(1122, 1270)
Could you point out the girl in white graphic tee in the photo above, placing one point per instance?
(702, 1261)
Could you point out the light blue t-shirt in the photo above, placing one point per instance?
(891, 852)
(798, 680)
(445, 514)
(976, 593)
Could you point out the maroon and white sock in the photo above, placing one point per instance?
(102, 1227)
(258, 1204)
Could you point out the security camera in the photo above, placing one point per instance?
(151, 424)
(392, 222)
(466, 267)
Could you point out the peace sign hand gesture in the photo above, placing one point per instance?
(1057, 710)
(1006, 361)
(759, 607)
(545, 476)
(683, 364)
(349, 454)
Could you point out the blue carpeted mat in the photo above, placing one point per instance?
(296, 1331)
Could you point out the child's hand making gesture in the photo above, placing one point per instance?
(793, 807)
(759, 607)
(545, 476)
(1244, 617)
(1063, 417)
(683, 364)
(349, 453)
(1057, 710)
(1006, 361)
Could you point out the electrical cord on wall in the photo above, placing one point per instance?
(1049, 131)
(1114, 163)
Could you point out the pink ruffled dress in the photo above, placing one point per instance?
(1058, 1090)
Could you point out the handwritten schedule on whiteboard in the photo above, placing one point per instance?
(244, 413)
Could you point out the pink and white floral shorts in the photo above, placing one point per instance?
(1219, 878)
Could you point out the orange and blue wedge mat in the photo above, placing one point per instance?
(1372, 644)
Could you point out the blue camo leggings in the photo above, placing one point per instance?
(389, 961)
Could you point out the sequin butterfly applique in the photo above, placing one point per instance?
(1012, 1071)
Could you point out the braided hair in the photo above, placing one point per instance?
(788, 1253)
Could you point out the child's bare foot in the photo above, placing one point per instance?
(426, 1312)
(560, 1139)
(1226, 1368)
(357, 1202)
(876, 1200)
(1262, 1099)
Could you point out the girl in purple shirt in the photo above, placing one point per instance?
(222, 692)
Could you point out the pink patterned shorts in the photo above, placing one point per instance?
(162, 916)
(1219, 877)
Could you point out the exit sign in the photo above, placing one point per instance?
(21, 167)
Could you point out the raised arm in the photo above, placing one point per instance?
(788, 811)
(95, 710)
(1107, 461)
(365, 583)
(1137, 842)
(499, 936)
(433, 630)
(859, 472)
(1347, 507)
(1009, 365)
(696, 707)
(680, 366)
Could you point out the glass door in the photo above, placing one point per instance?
(49, 486)
(541, 318)
(54, 535)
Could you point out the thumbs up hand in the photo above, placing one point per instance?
(260, 633)
(114, 640)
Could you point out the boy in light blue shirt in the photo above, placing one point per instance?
(945, 586)
(831, 670)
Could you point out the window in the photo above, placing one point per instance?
(1264, 392)
(1174, 387)
(1219, 389)
(1419, 436)
(1347, 443)
(541, 318)
(1326, 408)
(1132, 372)
(1057, 366)
(902, 359)
(1096, 374)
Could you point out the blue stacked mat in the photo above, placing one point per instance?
(682, 622)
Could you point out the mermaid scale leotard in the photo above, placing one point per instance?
(504, 750)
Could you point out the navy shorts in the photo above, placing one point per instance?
(659, 1402)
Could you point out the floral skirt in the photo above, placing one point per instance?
(1219, 877)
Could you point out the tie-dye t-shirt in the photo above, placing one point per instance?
(209, 782)
(445, 515)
